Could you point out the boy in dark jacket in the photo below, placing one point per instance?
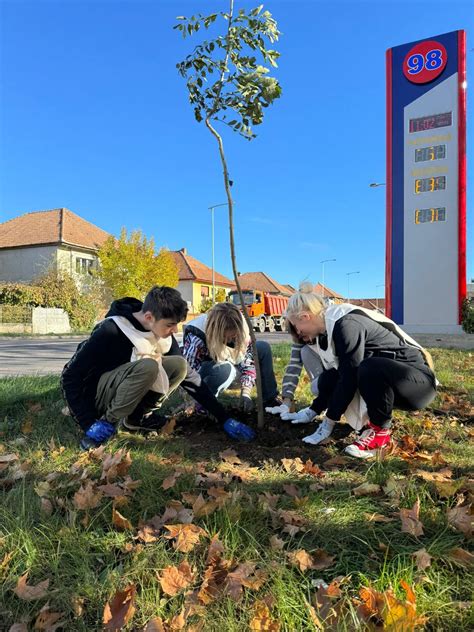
(110, 380)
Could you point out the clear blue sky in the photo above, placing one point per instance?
(95, 118)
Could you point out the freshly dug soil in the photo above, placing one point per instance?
(278, 439)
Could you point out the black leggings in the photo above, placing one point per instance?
(385, 384)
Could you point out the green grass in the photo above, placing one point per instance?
(86, 562)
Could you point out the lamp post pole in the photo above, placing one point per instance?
(348, 276)
(323, 262)
(211, 208)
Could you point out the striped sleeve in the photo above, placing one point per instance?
(194, 350)
(292, 371)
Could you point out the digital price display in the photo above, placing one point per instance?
(436, 152)
(426, 185)
(430, 215)
(433, 121)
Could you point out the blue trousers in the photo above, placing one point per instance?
(219, 375)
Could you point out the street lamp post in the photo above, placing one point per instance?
(211, 208)
(323, 262)
(348, 275)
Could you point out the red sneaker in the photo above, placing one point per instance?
(373, 438)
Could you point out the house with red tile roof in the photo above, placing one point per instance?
(195, 280)
(327, 292)
(263, 282)
(33, 242)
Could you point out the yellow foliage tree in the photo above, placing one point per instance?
(130, 266)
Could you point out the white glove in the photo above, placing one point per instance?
(304, 416)
(278, 410)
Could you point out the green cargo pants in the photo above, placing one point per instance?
(125, 392)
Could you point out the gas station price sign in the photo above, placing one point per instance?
(426, 161)
(435, 152)
(424, 185)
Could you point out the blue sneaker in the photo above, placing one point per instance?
(97, 434)
(238, 430)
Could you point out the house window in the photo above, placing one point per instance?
(84, 266)
(204, 291)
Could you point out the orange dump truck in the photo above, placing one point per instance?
(265, 310)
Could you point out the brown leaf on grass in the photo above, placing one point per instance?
(366, 489)
(269, 501)
(203, 507)
(292, 520)
(292, 491)
(6, 560)
(410, 520)
(174, 579)
(460, 517)
(376, 517)
(220, 495)
(230, 456)
(441, 475)
(185, 536)
(30, 592)
(8, 458)
(329, 605)
(293, 466)
(215, 550)
(170, 481)
(461, 556)
(116, 464)
(335, 461)
(423, 559)
(314, 470)
(18, 627)
(110, 490)
(244, 575)
(213, 584)
(386, 610)
(120, 610)
(47, 620)
(155, 625)
(276, 543)
(261, 619)
(120, 522)
(87, 497)
(318, 560)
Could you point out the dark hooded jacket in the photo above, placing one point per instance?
(107, 348)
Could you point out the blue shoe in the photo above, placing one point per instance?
(97, 434)
(238, 430)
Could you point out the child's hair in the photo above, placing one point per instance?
(303, 301)
(223, 319)
(165, 302)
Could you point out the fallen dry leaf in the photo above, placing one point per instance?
(461, 556)
(423, 559)
(410, 520)
(116, 464)
(8, 458)
(366, 489)
(18, 627)
(120, 522)
(47, 620)
(318, 560)
(174, 579)
(155, 625)
(276, 543)
(119, 611)
(203, 507)
(336, 461)
(460, 517)
(314, 470)
(376, 517)
(230, 456)
(292, 491)
(392, 613)
(87, 497)
(185, 536)
(30, 592)
(262, 620)
(215, 550)
(170, 481)
(293, 466)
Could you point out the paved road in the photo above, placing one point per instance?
(41, 356)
